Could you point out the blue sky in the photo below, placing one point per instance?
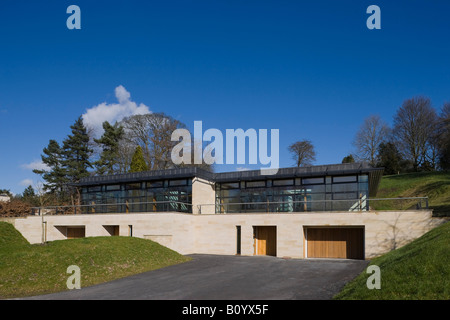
(311, 69)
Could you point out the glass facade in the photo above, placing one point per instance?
(327, 193)
(148, 196)
(235, 192)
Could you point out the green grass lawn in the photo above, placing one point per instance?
(420, 271)
(434, 185)
(27, 270)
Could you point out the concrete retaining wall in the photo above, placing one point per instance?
(216, 233)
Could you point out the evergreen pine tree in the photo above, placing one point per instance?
(28, 192)
(389, 158)
(77, 152)
(138, 162)
(55, 176)
(29, 196)
(348, 159)
(76, 156)
(109, 143)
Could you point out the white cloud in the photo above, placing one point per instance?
(26, 182)
(95, 116)
(35, 165)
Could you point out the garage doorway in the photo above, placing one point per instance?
(76, 232)
(265, 240)
(334, 242)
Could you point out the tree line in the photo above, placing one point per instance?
(419, 140)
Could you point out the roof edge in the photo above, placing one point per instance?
(179, 173)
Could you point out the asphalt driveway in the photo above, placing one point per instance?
(215, 277)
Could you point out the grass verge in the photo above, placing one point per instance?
(27, 270)
(418, 271)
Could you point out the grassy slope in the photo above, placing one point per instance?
(434, 185)
(38, 269)
(419, 270)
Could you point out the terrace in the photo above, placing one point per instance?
(327, 188)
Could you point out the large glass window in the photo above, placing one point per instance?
(113, 187)
(178, 182)
(330, 193)
(255, 184)
(150, 196)
(343, 179)
(94, 189)
(284, 182)
(345, 187)
(233, 185)
(155, 184)
(312, 180)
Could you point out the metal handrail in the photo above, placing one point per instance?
(126, 205)
(360, 204)
(305, 202)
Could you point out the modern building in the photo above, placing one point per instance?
(308, 212)
(317, 188)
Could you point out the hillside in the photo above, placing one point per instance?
(419, 270)
(27, 270)
(434, 185)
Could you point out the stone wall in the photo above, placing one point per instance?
(216, 233)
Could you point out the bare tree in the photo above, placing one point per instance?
(303, 152)
(443, 137)
(414, 130)
(370, 135)
(161, 128)
(152, 132)
(136, 132)
(41, 194)
(125, 154)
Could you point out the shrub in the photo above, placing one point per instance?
(14, 208)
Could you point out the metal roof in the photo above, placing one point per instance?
(309, 171)
(179, 173)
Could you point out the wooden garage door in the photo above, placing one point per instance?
(339, 242)
(75, 232)
(265, 240)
